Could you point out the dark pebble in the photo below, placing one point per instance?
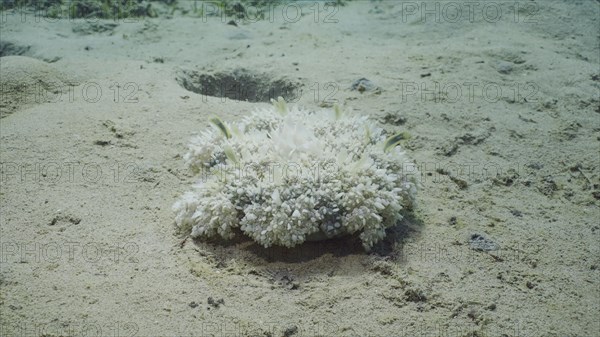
(481, 243)
(290, 331)
(362, 84)
(215, 304)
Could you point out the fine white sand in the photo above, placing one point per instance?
(504, 118)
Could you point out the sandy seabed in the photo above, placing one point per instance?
(504, 117)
